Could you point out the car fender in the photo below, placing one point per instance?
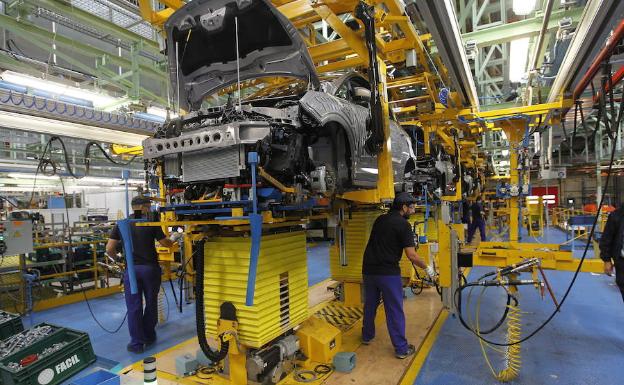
(402, 151)
(325, 108)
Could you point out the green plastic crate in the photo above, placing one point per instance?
(11, 325)
(53, 368)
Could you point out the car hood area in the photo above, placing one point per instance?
(203, 39)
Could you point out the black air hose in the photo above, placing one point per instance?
(200, 322)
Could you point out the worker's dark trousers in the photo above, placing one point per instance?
(390, 288)
(619, 274)
(142, 322)
(472, 227)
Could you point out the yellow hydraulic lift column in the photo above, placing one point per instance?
(514, 130)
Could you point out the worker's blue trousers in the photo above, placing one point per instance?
(390, 288)
(472, 227)
(142, 322)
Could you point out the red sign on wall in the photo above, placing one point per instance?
(550, 190)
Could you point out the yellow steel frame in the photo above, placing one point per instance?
(394, 37)
(118, 149)
(158, 17)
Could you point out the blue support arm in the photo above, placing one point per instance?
(125, 229)
(255, 222)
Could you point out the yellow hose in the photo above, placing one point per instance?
(512, 357)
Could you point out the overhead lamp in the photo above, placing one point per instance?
(370, 170)
(523, 7)
(19, 175)
(99, 100)
(518, 56)
(99, 179)
(160, 112)
(43, 125)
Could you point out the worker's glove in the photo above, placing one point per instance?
(175, 236)
(431, 272)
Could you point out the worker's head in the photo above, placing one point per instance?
(141, 204)
(404, 203)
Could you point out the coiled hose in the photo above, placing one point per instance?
(513, 360)
(200, 321)
(511, 352)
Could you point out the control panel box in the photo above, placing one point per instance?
(16, 237)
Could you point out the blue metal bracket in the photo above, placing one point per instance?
(255, 222)
(125, 229)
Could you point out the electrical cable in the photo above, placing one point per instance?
(580, 265)
(7, 200)
(49, 168)
(200, 321)
(206, 372)
(42, 163)
(323, 369)
(301, 375)
(458, 303)
(84, 293)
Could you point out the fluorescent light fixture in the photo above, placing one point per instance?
(100, 179)
(160, 112)
(99, 100)
(523, 7)
(548, 197)
(19, 175)
(518, 56)
(505, 152)
(532, 197)
(94, 181)
(370, 170)
(42, 125)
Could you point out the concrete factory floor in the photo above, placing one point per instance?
(583, 344)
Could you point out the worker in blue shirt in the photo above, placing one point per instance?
(390, 236)
(478, 220)
(142, 321)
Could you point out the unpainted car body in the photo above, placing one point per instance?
(312, 136)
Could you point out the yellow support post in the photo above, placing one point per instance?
(385, 183)
(385, 176)
(514, 129)
(444, 254)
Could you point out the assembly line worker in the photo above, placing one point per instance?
(390, 237)
(612, 247)
(465, 211)
(478, 220)
(142, 323)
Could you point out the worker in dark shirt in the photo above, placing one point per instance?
(612, 247)
(465, 211)
(390, 237)
(478, 220)
(142, 323)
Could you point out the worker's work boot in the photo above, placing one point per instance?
(367, 342)
(135, 349)
(411, 349)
